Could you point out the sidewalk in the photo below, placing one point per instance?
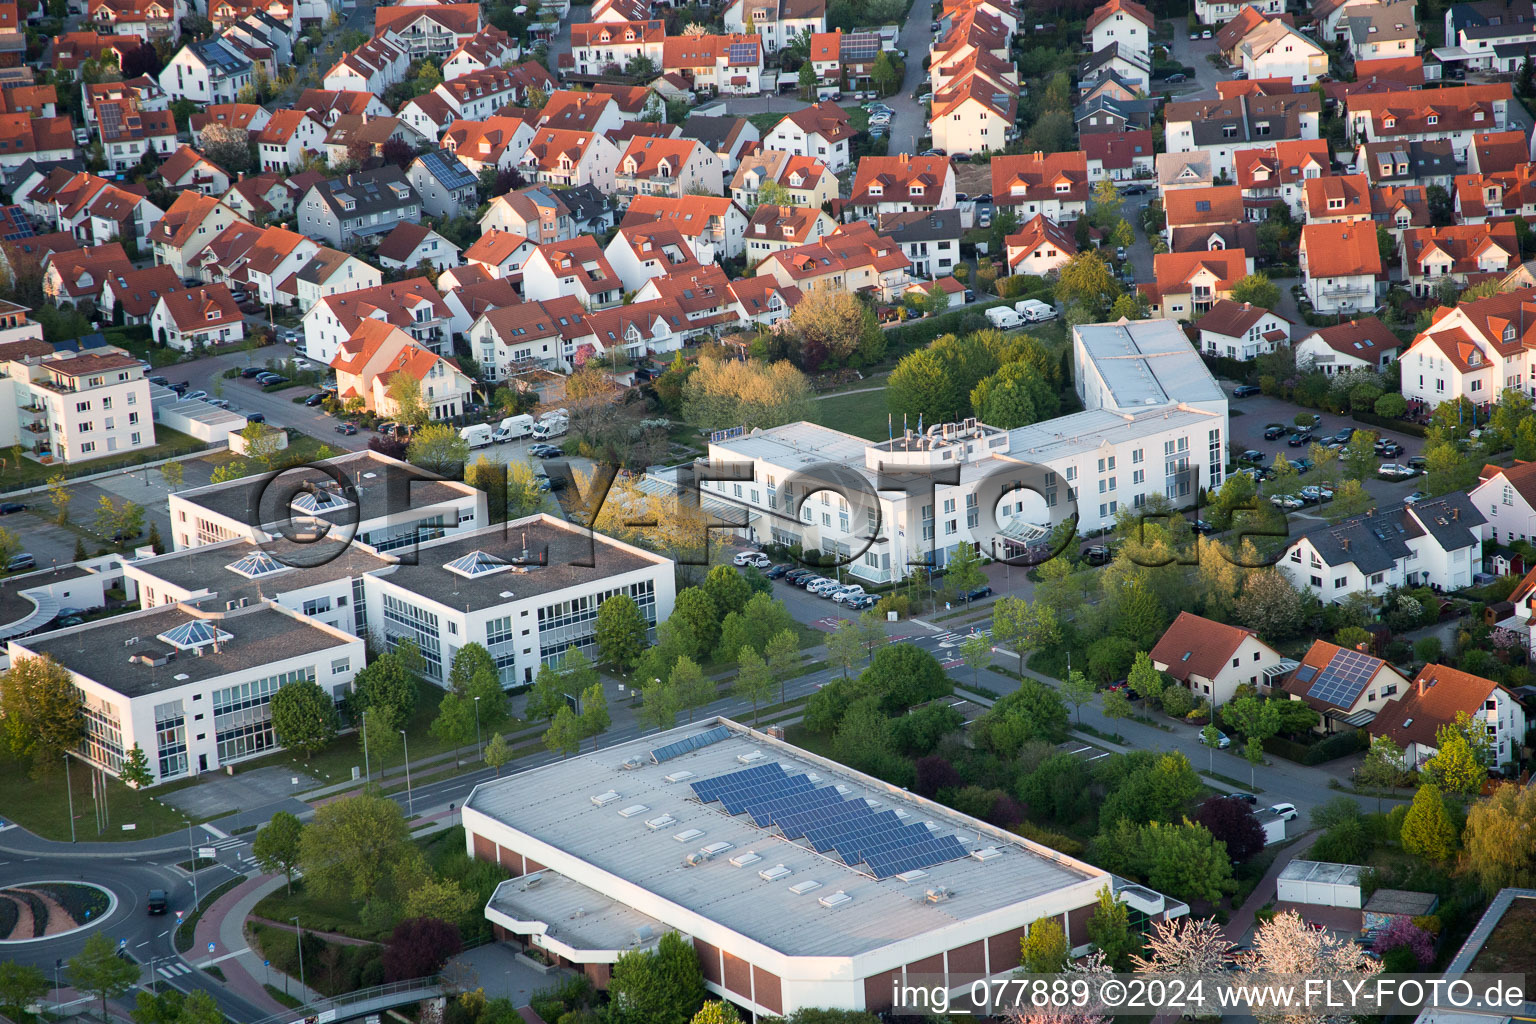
(224, 925)
(1241, 922)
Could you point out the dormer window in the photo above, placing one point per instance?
(1509, 332)
(1390, 122)
(1432, 119)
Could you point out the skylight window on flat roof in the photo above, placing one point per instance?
(194, 634)
(476, 564)
(257, 563)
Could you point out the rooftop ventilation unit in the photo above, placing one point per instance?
(938, 894)
(835, 899)
(661, 822)
(912, 876)
(604, 799)
(693, 860)
(632, 810)
(987, 853)
(801, 888)
(750, 756)
(631, 764)
(679, 776)
(774, 873)
(688, 835)
(741, 860)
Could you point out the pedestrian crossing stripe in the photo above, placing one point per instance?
(175, 970)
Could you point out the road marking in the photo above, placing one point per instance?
(175, 970)
(226, 956)
(8, 827)
(163, 934)
(216, 833)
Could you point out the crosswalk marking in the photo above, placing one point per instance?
(175, 970)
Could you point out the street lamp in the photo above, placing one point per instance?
(192, 856)
(367, 771)
(299, 929)
(479, 752)
(69, 789)
(410, 803)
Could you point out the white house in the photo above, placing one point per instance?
(821, 130)
(206, 315)
(1241, 330)
(1340, 265)
(1119, 21)
(1474, 351)
(1212, 659)
(207, 71)
(1433, 701)
(1506, 497)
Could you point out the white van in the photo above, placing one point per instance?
(478, 436)
(512, 428)
(550, 426)
(1003, 317)
(1034, 310)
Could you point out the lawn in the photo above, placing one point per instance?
(862, 415)
(31, 474)
(41, 806)
(337, 914)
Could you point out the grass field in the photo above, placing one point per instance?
(41, 806)
(28, 473)
(863, 415)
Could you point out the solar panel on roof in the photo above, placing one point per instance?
(1341, 680)
(16, 225)
(741, 53)
(688, 743)
(860, 48)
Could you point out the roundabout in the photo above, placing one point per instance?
(33, 911)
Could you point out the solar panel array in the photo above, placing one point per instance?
(827, 821)
(1342, 679)
(15, 225)
(694, 742)
(741, 53)
(860, 48)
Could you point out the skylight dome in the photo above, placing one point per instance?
(257, 563)
(477, 564)
(192, 635)
(318, 500)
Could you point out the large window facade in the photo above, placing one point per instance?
(103, 735)
(242, 715)
(406, 621)
(573, 623)
(171, 739)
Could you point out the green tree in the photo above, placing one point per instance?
(1144, 678)
(60, 496)
(350, 846)
(497, 751)
(1427, 829)
(976, 650)
(135, 770)
(964, 572)
(783, 657)
(1010, 624)
(726, 589)
(1077, 690)
(594, 719)
(1015, 396)
(98, 971)
(1043, 949)
(754, 679)
(43, 716)
(661, 987)
(441, 898)
(1086, 279)
(1032, 712)
(884, 75)
(621, 631)
(691, 686)
(386, 689)
(845, 646)
(1498, 850)
(278, 844)
(439, 449)
(171, 473)
(659, 702)
(806, 80)
(1116, 705)
(1107, 201)
(21, 985)
(454, 723)
(695, 622)
(1455, 767)
(1257, 289)
(564, 733)
(304, 717)
(1109, 929)
(1256, 720)
(920, 387)
(716, 1011)
(1187, 862)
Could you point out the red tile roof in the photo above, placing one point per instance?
(1346, 249)
(1196, 646)
(1037, 176)
(1437, 693)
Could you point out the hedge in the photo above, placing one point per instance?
(915, 335)
(1340, 744)
(1401, 426)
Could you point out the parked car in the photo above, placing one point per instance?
(753, 558)
(21, 561)
(862, 602)
(1287, 812)
(1098, 554)
(251, 371)
(1299, 438)
(1396, 471)
(1415, 497)
(315, 399)
(794, 575)
(775, 571)
(1244, 390)
(255, 417)
(196, 396)
(1303, 465)
(347, 429)
(219, 403)
(1418, 462)
(1223, 741)
(1133, 190)
(11, 506)
(1317, 493)
(1289, 502)
(1176, 77)
(1203, 528)
(163, 382)
(1247, 798)
(1252, 456)
(1274, 432)
(1206, 34)
(1120, 253)
(977, 594)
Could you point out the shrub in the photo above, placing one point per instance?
(898, 603)
(1177, 701)
(1338, 745)
(419, 947)
(1045, 837)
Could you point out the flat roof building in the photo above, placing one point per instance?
(1154, 421)
(800, 882)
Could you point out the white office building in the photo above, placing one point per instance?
(1154, 422)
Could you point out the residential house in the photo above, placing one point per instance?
(376, 351)
(973, 117)
(1337, 199)
(1348, 688)
(501, 253)
(192, 222)
(409, 245)
(1506, 497)
(715, 227)
(325, 105)
(288, 138)
(127, 130)
(488, 48)
(499, 142)
(508, 339)
(773, 228)
(479, 94)
(778, 22)
(729, 138)
(821, 130)
(1119, 156)
(559, 157)
(130, 296)
(150, 20)
(1496, 194)
(412, 305)
(931, 241)
(1475, 351)
(72, 407)
(853, 258)
(1279, 172)
(637, 103)
(276, 257)
(1118, 70)
(1433, 542)
(1453, 114)
(762, 300)
(1407, 163)
(631, 332)
(725, 65)
(1493, 35)
(1177, 171)
(372, 68)
(1277, 50)
(96, 211)
(901, 184)
(806, 180)
(429, 30)
(1188, 284)
(1034, 183)
(573, 111)
(1340, 266)
(1436, 699)
(1212, 659)
(1385, 29)
(246, 117)
(1119, 21)
(340, 210)
(1241, 330)
(1461, 254)
(1109, 115)
(606, 47)
(1040, 247)
(1203, 208)
(207, 71)
(76, 277)
(38, 139)
(447, 188)
(666, 167)
(1363, 344)
(1219, 12)
(1222, 127)
(187, 169)
(269, 196)
(328, 272)
(577, 267)
(468, 293)
(535, 212)
(205, 315)
(1492, 152)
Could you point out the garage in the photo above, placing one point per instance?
(1319, 884)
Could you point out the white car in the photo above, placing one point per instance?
(1223, 741)
(303, 364)
(195, 396)
(823, 587)
(1287, 812)
(753, 558)
(850, 591)
(1396, 471)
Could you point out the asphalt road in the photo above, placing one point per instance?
(245, 396)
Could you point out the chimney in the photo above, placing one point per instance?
(1344, 541)
(1455, 514)
(1421, 686)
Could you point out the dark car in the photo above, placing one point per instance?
(12, 506)
(1274, 432)
(71, 620)
(159, 901)
(1203, 528)
(315, 399)
(1303, 465)
(1244, 390)
(252, 371)
(1391, 449)
(181, 387)
(978, 594)
(256, 417)
(1245, 797)
(1418, 462)
(1252, 456)
(1299, 438)
(794, 574)
(162, 381)
(773, 572)
(1098, 554)
(346, 428)
(1134, 190)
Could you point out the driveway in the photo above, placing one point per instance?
(244, 396)
(1193, 53)
(910, 121)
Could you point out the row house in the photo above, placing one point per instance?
(532, 334)
(620, 10)
(853, 258)
(902, 184)
(666, 167)
(637, 102)
(773, 228)
(930, 241)
(1464, 254)
(289, 138)
(186, 168)
(973, 116)
(844, 60)
(635, 331)
(761, 300)
(559, 157)
(76, 277)
(1119, 21)
(429, 30)
(361, 139)
(778, 22)
(244, 117)
(1475, 350)
(277, 255)
(1222, 127)
(714, 226)
(1039, 247)
(1279, 173)
(72, 49)
(534, 212)
(429, 115)
(39, 139)
(575, 111)
(641, 252)
(486, 49)
(1408, 163)
(192, 222)
(1364, 343)
(730, 138)
(1219, 12)
(325, 105)
(1187, 284)
(1383, 30)
(207, 71)
(1119, 156)
(807, 180)
(269, 196)
(1333, 17)
(222, 261)
(411, 245)
(576, 268)
(1451, 114)
(96, 211)
(1497, 151)
(702, 294)
(1115, 71)
(501, 253)
(259, 31)
(376, 351)
(1055, 185)
(128, 132)
(499, 142)
(1498, 194)
(412, 305)
(371, 68)
(1341, 266)
(195, 317)
(731, 65)
(342, 210)
(468, 292)
(149, 20)
(601, 48)
(448, 189)
(1506, 497)
(478, 94)
(328, 272)
(952, 68)
(1337, 199)
(821, 130)
(1241, 330)
(130, 296)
